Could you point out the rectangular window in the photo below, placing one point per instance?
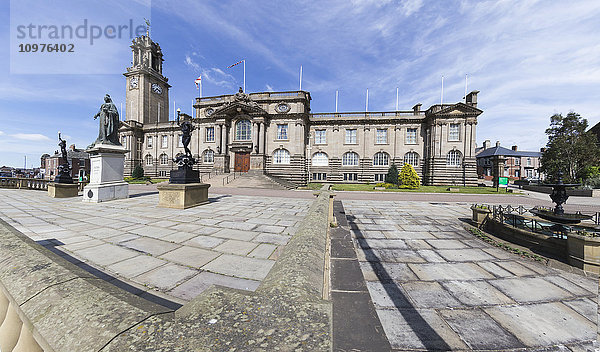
(210, 134)
(350, 136)
(162, 174)
(164, 141)
(381, 136)
(379, 177)
(528, 161)
(411, 136)
(149, 142)
(124, 141)
(319, 176)
(320, 137)
(180, 141)
(282, 131)
(81, 163)
(350, 176)
(517, 161)
(454, 132)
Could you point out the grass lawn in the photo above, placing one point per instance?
(422, 189)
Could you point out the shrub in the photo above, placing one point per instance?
(592, 182)
(138, 172)
(408, 177)
(392, 175)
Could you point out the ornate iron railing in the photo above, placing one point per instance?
(516, 217)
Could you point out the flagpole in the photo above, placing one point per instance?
(336, 101)
(200, 90)
(193, 108)
(442, 95)
(300, 77)
(367, 102)
(396, 98)
(466, 75)
(244, 75)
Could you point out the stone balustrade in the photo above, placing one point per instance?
(30, 183)
(49, 304)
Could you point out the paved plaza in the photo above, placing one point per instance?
(173, 254)
(408, 276)
(437, 287)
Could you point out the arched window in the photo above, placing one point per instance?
(411, 158)
(243, 130)
(381, 159)
(148, 160)
(164, 159)
(209, 156)
(320, 159)
(350, 159)
(453, 158)
(281, 156)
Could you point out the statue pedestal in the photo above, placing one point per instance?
(182, 196)
(62, 190)
(106, 175)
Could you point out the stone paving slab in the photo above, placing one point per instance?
(443, 289)
(140, 244)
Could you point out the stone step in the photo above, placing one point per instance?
(254, 181)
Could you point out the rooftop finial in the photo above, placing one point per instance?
(147, 27)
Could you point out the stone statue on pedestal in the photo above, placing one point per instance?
(109, 123)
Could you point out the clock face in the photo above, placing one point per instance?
(156, 88)
(283, 108)
(209, 111)
(133, 82)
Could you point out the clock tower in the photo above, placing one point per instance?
(147, 91)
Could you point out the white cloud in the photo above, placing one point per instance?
(31, 137)
(191, 63)
(269, 88)
(1, 133)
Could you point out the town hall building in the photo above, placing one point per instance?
(277, 134)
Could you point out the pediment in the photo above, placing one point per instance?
(237, 107)
(459, 109)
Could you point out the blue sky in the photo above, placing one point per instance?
(529, 59)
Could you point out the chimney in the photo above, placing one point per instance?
(487, 144)
(72, 147)
(497, 144)
(472, 98)
(514, 148)
(417, 109)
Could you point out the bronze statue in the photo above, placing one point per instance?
(186, 134)
(109, 123)
(64, 169)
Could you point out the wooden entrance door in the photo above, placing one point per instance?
(242, 161)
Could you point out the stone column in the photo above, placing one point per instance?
(261, 138)
(224, 139)
(218, 138)
(254, 137)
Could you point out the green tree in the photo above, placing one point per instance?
(138, 172)
(408, 177)
(392, 175)
(570, 149)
